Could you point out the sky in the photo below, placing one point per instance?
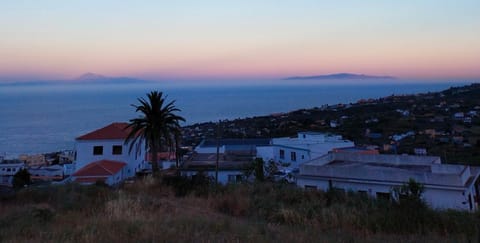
(235, 40)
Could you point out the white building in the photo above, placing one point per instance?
(8, 170)
(231, 168)
(52, 172)
(234, 156)
(445, 186)
(108, 143)
(305, 147)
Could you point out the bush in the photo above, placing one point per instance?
(21, 179)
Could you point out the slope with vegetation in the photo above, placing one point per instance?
(179, 209)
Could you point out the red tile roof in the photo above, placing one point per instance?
(116, 130)
(102, 168)
(90, 179)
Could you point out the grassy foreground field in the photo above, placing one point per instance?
(151, 211)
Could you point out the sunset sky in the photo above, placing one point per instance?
(201, 40)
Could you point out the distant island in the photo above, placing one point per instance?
(97, 78)
(339, 76)
(87, 78)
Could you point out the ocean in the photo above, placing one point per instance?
(48, 117)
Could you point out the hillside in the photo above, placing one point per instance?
(445, 123)
(150, 211)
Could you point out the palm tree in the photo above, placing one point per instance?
(158, 125)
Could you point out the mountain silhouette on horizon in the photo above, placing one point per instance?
(98, 78)
(339, 76)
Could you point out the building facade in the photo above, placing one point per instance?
(297, 150)
(445, 186)
(108, 143)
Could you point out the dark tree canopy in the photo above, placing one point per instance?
(158, 126)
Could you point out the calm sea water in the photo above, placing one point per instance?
(46, 118)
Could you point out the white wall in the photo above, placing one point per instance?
(84, 148)
(437, 198)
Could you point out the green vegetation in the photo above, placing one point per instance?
(150, 210)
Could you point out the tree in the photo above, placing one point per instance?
(158, 126)
(256, 168)
(21, 178)
(410, 194)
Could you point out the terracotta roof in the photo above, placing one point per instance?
(116, 130)
(90, 179)
(102, 168)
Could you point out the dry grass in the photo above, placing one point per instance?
(148, 211)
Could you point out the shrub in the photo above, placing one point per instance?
(21, 179)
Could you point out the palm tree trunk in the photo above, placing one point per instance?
(154, 161)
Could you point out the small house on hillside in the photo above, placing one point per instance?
(231, 168)
(108, 144)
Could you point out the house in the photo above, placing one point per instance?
(234, 156)
(445, 186)
(458, 116)
(106, 171)
(108, 144)
(52, 172)
(8, 170)
(302, 148)
(231, 168)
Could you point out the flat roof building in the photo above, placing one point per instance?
(446, 186)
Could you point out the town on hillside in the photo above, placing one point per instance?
(368, 147)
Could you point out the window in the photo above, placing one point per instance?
(293, 156)
(282, 154)
(303, 156)
(310, 188)
(97, 150)
(117, 149)
(362, 193)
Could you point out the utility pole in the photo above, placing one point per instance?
(218, 153)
